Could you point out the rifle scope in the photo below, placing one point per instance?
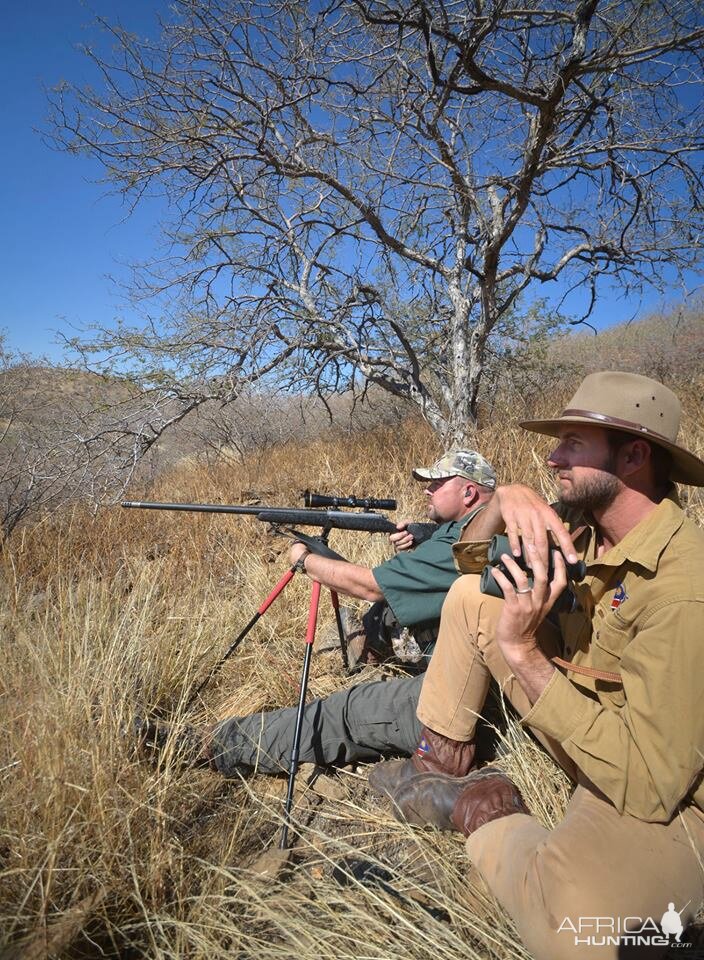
(311, 499)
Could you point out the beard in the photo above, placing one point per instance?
(591, 493)
(432, 514)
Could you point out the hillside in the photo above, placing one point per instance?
(106, 853)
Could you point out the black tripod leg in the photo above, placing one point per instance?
(310, 636)
(286, 579)
(340, 630)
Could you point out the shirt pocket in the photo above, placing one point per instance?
(611, 635)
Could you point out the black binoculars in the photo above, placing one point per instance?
(311, 499)
(565, 603)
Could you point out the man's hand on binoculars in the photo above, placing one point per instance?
(529, 518)
(525, 607)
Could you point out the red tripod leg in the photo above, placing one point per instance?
(310, 636)
(286, 579)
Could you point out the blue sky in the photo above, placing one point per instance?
(62, 236)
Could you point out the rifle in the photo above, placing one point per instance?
(286, 518)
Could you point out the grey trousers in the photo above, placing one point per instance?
(366, 722)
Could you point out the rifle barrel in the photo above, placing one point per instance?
(195, 507)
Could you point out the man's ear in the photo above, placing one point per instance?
(470, 492)
(634, 456)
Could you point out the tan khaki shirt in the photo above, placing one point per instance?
(641, 741)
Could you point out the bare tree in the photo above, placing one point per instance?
(35, 468)
(67, 436)
(361, 192)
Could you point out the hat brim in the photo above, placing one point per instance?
(423, 473)
(686, 468)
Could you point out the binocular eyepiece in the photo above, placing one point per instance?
(499, 545)
(364, 503)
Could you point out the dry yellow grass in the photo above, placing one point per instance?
(102, 854)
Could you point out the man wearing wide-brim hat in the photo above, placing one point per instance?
(614, 690)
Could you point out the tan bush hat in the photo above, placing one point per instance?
(629, 403)
(459, 463)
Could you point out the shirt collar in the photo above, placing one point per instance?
(470, 516)
(647, 540)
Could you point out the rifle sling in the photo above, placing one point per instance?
(588, 671)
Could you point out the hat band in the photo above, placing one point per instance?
(616, 422)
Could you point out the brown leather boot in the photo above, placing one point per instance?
(434, 754)
(458, 803)
(191, 746)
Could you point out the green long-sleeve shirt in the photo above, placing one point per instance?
(415, 582)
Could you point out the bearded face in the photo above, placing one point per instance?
(585, 468)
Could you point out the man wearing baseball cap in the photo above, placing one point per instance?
(613, 689)
(372, 719)
(409, 590)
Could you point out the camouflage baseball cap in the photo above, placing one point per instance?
(459, 463)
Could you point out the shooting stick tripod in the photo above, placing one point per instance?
(319, 546)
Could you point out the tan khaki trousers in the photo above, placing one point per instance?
(465, 659)
(596, 869)
(597, 863)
